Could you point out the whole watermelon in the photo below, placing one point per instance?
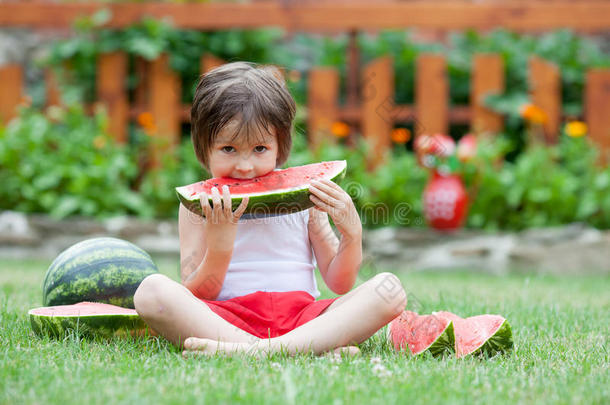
(107, 270)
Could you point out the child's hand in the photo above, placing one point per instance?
(332, 199)
(221, 221)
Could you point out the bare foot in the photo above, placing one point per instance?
(201, 346)
(208, 347)
(349, 351)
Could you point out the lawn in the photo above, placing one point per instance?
(560, 325)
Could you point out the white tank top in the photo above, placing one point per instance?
(271, 254)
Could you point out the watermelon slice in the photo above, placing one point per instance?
(276, 193)
(86, 318)
(421, 333)
(482, 334)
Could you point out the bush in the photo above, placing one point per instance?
(63, 162)
(544, 186)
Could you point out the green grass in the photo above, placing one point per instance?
(560, 326)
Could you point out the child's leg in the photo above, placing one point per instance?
(174, 312)
(351, 319)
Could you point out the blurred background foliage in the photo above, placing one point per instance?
(63, 162)
(299, 52)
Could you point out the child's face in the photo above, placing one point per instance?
(240, 159)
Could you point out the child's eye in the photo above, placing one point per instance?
(260, 148)
(227, 149)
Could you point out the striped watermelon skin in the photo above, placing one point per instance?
(107, 270)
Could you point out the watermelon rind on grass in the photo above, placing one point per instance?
(499, 343)
(444, 332)
(481, 335)
(106, 270)
(444, 344)
(87, 319)
(286, 190)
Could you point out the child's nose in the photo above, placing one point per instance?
(244, 165)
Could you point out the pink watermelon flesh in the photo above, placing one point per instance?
(83, 309)
(419, 333)
(471, 334)
(289, 178)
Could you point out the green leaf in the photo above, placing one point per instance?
(514, 195)
(602, 181)
(145, 47)
(47, 180)
(101, 17)
(587, 206)
(67, 205)
(131, 200)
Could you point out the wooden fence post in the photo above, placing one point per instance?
(378, 107)
(487, 78)
(431, 95)
(53, 94)
(597, 109)
(11, 83)
(209, 62)
(165, 91)
(322, 95)
(111, 92)
(545, 92)
(140, 93)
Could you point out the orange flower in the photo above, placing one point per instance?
(576, 129)
(401, 135)
(340, 129)
(147, 122)
(532, 113)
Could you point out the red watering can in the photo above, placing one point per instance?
(445, 202)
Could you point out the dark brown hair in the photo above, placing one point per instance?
(253, 95)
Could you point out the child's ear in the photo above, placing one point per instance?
(277, 71)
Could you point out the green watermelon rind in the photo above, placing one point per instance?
(115, 270)
(499, 343)
(284, 201)
(105, 325)
(444, 344)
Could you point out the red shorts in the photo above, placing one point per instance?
(269, 314)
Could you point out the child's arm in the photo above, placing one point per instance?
(206, 245)
(338, 261)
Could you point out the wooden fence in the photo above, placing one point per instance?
(374, 114)
(329, 15)
(377, 113)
